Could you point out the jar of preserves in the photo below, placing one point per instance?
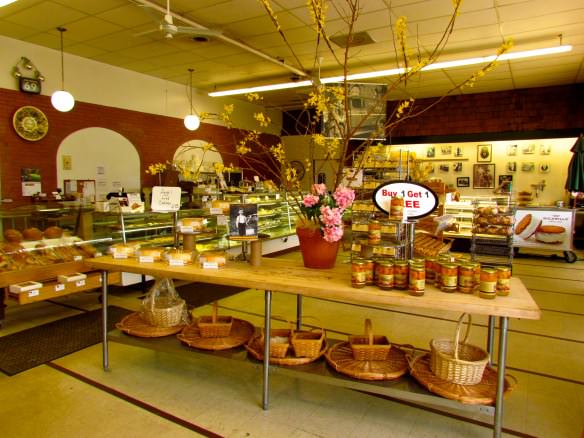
(400, 274)
(396, 208)
(448, 277)
(465, 278)
(358, 273)
(369, 271)
(477, 274)
(488, 283)
(417, 280)
(430, 270)
(374, 232)
(384, 274)
(503, 280)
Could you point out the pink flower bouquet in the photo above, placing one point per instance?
(326, 209)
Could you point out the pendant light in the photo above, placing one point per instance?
(62, 100)
(192, 121)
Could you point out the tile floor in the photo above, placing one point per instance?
(153, 394)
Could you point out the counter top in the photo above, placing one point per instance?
(281, 275)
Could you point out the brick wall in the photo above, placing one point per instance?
(155, 138)
(517, 111)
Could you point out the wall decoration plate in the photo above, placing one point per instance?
(30, 123)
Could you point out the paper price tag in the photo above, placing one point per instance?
(118, 255)
(33, 293)
(216, 210)
(59, 287)
(210, 265)
(186, 229)
(175, 262)
(146, 259)
(98, 254)
(80, 283)
(77, 258)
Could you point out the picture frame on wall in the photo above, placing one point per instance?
(463, 181)
(545, 149)
(484, 153)
(505, 183)
(544, 167)
(446, 149)
(528, 149)
(527, 166)
(458, 152)
(483, 176)
(457, 167)
(511, 166)
(444, 168)
(512, 150)
(431, 151)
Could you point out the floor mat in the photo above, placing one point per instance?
(32, 347)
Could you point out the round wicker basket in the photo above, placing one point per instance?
(163, 312)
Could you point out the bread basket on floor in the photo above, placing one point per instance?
(456, 361)
(214, 326)
(279, 341)
(308, 343)
(163, 307)
(369, 346)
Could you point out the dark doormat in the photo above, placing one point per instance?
(32, 347)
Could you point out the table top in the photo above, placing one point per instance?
(282, 275)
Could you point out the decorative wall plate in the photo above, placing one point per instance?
(30, 123)
(300, 171)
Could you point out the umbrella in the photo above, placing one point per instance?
(575, 180)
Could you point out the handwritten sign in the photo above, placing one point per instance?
(165, 199)
(419, 200)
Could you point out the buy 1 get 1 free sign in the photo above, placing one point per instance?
(419, 200)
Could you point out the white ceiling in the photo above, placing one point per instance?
(105, 31)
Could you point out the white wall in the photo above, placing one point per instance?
(94, 82)
(102, 155)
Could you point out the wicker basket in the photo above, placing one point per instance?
(166, 313)
(215, 326)
(279, 341)
(369, 346)
(458, 362)
(308, 343)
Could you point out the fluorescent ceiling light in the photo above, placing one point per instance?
(398, 71)
(6, 2)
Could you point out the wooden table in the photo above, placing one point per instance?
(290, 276)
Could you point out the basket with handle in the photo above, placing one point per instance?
(163, 312)
(308, 343)
(456, 361)
(369, 346)
(214, 326)
(279, 341)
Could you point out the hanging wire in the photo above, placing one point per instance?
(62, 29)
(191, 70)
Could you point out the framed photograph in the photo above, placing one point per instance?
(484, 153)
(511, 166)
(243, 221)
(483, 176)
(458, 152)
(545, 149)
(431, 152)
(528, 149)
(446, 149)
(544, 167)
(463, 181)
(527, 166)
(512, 150)
(444, 168)
(505, 182)
(457, 167)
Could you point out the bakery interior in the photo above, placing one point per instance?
(135, 75)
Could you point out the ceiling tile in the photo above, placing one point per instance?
(85, 51)
(92, 6)
(16, 30)
(145, 51)
(119, 41)
(12, 8)
(90, 28)
(44, 16)
(130, 15)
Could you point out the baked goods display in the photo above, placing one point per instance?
(13, 236)
(53, 232)
(531, 227)
(495, 220)
(524, 198)
(124, 250)
(32, 234)
(213, 257)
(192, 224)
(426, 245)
(150, 254)
(179, 257)
(15, 257)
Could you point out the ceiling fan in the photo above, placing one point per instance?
(170, 30)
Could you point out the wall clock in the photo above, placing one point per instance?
(299, 167)
(30, 123)
(30, 85)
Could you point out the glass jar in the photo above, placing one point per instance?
(374, 232)
(417, 280)
(396, 208)
(369, 272)
(503, 280)
(488, 283)
(400, 274)
(477, 274)
(384, 274)
(358, 273)
(465, 278)
(430, 269)
(448, 277)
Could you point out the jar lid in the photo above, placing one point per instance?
(401, 262)
(450, 265)
(359, 262)
(489, 271)
(417, 268)
(503, 268)
(385, 262)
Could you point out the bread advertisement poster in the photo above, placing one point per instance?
(544, 229)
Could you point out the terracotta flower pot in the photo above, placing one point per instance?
(317, 253)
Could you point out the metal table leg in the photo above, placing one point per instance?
(491, 338)
(105, 353)
(298, 312)
(267, 320)
(503, 326)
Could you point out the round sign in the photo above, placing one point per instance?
(419, 200)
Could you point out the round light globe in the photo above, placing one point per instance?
(62, 101)
(192, 122)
